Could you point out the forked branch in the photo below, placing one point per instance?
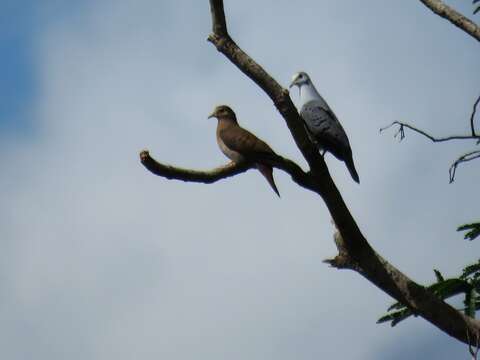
(302, 178)
(402, 126)
(462, 159)
(473, 135)
(355, 251)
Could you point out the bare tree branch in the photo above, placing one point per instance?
(280, 97)
(302, 178)
(472, 117)
(401, 132)
(354, 250)
(457, 19)
(206, 177)
(462, 159)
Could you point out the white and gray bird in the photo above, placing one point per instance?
(322, 125)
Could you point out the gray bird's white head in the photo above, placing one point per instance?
(299, 79)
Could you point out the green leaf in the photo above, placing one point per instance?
(470, 302)
(438, 275)
(395, 306)
(473, 227)
(468, 283)
(395, 317)
(443, 289)
(449, 288)
(471, 269)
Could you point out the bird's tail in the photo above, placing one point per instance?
(267, 172)
(351, 168)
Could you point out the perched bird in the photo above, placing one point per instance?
(323, 127)
(241, 145)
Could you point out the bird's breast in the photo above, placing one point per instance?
(231, 154)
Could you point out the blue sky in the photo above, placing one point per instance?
(20, 25)
(102, 260)
(18, 75)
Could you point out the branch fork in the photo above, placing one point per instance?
(354, 251)
(461, 159)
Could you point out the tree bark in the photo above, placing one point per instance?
(457, 19)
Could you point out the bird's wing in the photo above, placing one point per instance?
(244, 142)
(324, 127)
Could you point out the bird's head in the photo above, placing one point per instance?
(222, 112)
(299, 79)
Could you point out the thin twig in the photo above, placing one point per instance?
(462, 159)
(401, 132)
(472, 117)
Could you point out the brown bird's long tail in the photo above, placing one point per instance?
(267, 172)
(351, 168)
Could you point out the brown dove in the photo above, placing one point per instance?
(241, 145)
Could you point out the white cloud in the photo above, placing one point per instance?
(103, 260)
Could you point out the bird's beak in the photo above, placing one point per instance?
(212, 115)
(292, 84)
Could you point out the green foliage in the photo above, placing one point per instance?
(469, 302)
(474, 227)
(471, 271)
(468, 284)
(395, 317)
